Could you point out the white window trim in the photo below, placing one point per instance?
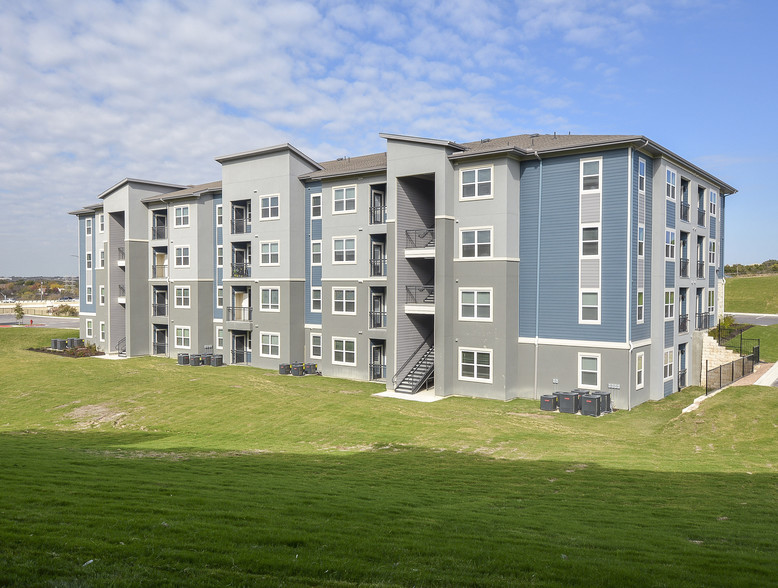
(674, 243)
(218, 288)
(334, 289)
(175, 297)
(640, 368)
(642, 255)
(219, 215)
(321, 345)
(583, 291)
(270, 264)
(356, 198)
(175, 337)
(665, 364)
(598, 190)
(321, 299)
(188, 256)
(490, 196)
(269, 334)
(89, 294)
(475, 378)
(675, 186)
(580, 370)
(713, 202)
(344, 339)
(216, 337)
(476, 229)
(175, 217)
(320, 205)
(89, 261)
(641, 160)
(476, 290)
(343, 238)
(101, 260)
(671, 305)
(101, 296)
(711, 303)
(321, 252)
(102, 331)
(711, 252)
(220, 247)
(90, 329)
(88, 227)
(269, 218)
(581, 253)
(269, 289)
(640, 319)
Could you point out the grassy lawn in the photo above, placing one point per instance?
(768, 341)
(144, 472)
(752, 294)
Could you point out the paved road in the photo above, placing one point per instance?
(52, 322)
(755, 319)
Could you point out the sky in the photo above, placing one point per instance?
(95, 91)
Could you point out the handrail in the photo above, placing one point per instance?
(419, 238)
(411, 356)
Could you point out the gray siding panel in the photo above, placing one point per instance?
(668, 387)
(669, 337)
(670, 215)
(669, 274)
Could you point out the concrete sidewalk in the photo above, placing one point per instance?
(764, 375)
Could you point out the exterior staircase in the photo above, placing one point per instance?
(421, 375)
(121, 347)
(716, 354)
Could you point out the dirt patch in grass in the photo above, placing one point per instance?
(94, 415)
(530, 415)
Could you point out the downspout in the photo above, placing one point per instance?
(537, 274)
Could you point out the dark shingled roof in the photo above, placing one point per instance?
(185, 193)
(349, 165)
(541, 143)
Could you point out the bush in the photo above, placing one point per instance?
(18, 311)
(65, 310)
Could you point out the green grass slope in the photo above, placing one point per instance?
(752, 294)
(144, 472)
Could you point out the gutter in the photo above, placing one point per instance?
(537, 275)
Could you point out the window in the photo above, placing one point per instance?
(220, 256)
(315, 345)
(475, 305)
(641, 240)
(669, 304)
(182, 296)
(269, 206)
(316, 299)
(102, 295)
(590, 175)
(344, 351)
(89, 294)
(102, 259)
(712, 304)
(182, 256)
(315, 205)
(88, 227)
(639, 358)
(671, 183)
(475, 242)
(589, 371)
(640, 306)
(269, 299)
(102, 331)
(590, 307)
(88, 261)
(668, 364)
(183, 337)
(670, 245)
(344, 301)
(89, 329)
(641, 175)
(181, 215)
(476, 183)
(713, 201)
(219, 337)
(712, 252)
(315, 252)
(344, 250)
(219, 215)
(269, 253)
(101, 225)
(270, 344)
(475, 365)
(344, 199)
(590, 241)
(220, 297)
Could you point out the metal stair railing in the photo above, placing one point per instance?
(412, 358)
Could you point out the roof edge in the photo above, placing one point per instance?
(137, 181)
(265, 151)
(345, 173)
(423, 140)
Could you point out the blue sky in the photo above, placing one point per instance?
(95, 91)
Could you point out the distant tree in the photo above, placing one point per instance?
(19, 312)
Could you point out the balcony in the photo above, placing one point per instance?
(239, 313)
(703, 321)
(685, 211)
(420, 299)
(241, 270)
(419, 238)
(122, 299)
(700, 269)
(159, 232)
(683, 323)
(120, 256)
(701, 217)
(681, 379)
(159, 271)
(377, 371)
(240, 226)
(159, 309)
(377, 215)
(160, 349)
(684, 268)
(378, 266)
(377, 319)
(240, 356)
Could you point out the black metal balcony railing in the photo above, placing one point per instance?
(158, 232)
(685, 211)
(377, 215)
(681, 379)
(378, 266)
(700, 269)
(159, 309)
(240, 226)
(160, 348)
(241, 270)
(240, 356)
(377, 319)
(120, 253)
(683, 323)
(703, 321)
(122, 290)
(377, 371)
(239, 313)
(420, 294)
(701, 217)
(419, 238)
(684, 268)
(158, 271)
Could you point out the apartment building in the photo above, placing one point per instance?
(500, 268)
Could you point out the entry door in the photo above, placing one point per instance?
(377, 256)
(378, 358)
(683, 301)
(378, 311)
(160, 296)
(239, 348)
(379, 207)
